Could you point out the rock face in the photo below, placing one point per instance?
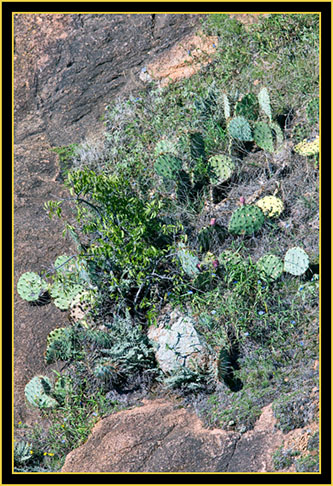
(177, 344)
(67, 67)
(157, 437)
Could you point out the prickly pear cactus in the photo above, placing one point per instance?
(63, 294)
(271, 266)
(37, 392)
(248, 107)
(31, 286)
(271, 206)
(188, 261)
(265, 103)
(222, 167)
(197, 146)
(226, 106)
(263, 136)
(296, 261)
(246, 220)
(59, 345)
(308, 147)
(239, 128)
(168, 166)
(63, 264)
(205, 238)
(165, 146)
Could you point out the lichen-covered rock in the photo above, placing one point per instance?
(178, 344)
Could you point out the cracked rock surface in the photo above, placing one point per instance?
(157, 437)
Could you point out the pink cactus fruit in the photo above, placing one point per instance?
(198, 266)
(215, 263)
(212, 221)
(242, 200)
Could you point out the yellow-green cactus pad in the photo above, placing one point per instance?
(271, 206)
(308, 147)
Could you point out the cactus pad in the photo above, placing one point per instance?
(31, 286)
(59, 345)
(263, 136)
(239, 128)
(229, 257)
(165, 146)
(37, 392)
(168, 166)
(265, 103)
(63, 294)
(246, 220)
(188, 261)
(222, 167)
(296, 261)
(271, 206)
(248, 107)
(308, 147)
(271, 266)
(226, 106)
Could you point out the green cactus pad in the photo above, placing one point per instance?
(37, 392)
(239, 128)
(31, 286)
(246, 220)
(271, 206)
(165, 147)
(64, 294)
(59, 345)
(265, 103)
(248, 107)
(263, 136)
(296, 261)
(168, 166)
(205, 237)
(222, 167)
(226, 106)
(187, 260)
(271, 266)
(197, 146)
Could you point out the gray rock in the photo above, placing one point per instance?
(177, 344)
